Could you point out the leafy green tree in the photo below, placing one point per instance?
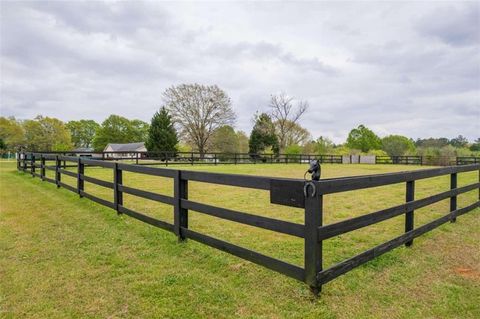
(83, 132)
(345, 150)
(242, 142)
(263, 135)
(397, 145)
(432, 142)
(323, 145)
(183, 147)
(464, 151)
(140, 130)
(459, 141)
(47, 134)
(376, 153)
(117, 129)
(293, 149)
(12, 134)
(224, 140)
(3, 146)
(475, 147)
(363, 139)
(162, 136)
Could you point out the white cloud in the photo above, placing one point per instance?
(400, 68)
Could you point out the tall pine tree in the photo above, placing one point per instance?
(162, 136)
(263, 136)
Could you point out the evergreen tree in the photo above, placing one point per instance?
(263, 135)
(162, 136)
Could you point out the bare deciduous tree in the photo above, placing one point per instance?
(286, 115)
(297, 135)
(198, 110)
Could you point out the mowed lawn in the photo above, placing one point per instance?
(61, 256)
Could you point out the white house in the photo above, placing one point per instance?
(124, 150)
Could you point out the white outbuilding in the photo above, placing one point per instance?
(124, 150)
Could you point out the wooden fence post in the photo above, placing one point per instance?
(409, 221)
(58, 177)
(117, 194)
(24, 162)
(32, 165)
(453, 199)
(180, 214)
(42, 168)
(80, 173)
(313, 247)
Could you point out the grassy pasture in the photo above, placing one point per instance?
(61, 256)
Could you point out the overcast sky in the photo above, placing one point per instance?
(399, 68)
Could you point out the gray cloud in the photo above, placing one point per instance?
(457, 26)
(400, 68)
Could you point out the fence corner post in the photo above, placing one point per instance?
(453, 199)
(313, 247)
(117, 192)
(180, 218)
(409, 216)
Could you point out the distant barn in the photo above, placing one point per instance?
(124, 150)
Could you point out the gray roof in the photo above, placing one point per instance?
(125, 147)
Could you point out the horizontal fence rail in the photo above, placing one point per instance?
(308, 195)
(215, 158)
(405, 160)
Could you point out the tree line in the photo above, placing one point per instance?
(200, 118)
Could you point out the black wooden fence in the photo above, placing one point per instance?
(289, 192)
(465, 160)
(216, 158)
(405, 160)
(193, 158)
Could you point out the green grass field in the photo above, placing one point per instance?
(64, 257)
